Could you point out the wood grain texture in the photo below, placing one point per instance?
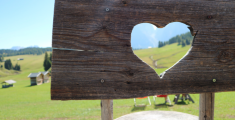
(104, 37)
(206, 106)
(107, 109)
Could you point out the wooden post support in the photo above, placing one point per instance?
(206, 107)
(107, 109)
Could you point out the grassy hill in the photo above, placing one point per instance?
(25, 102)
(165, 56)
(31, 63)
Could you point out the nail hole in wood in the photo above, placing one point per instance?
(209, 17)
(104, 27)
(131, 74)
(128, 82)
(124, 2)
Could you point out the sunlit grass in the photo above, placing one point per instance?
(25, 102)
(166, 56)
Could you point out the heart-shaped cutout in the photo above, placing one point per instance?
(161, 48)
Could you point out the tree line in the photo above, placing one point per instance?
(25, 51)
(183, 40)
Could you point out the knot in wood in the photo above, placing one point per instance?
(128, 82)
(124, 2)
(104, 27)
(131, 73)
(226, 56)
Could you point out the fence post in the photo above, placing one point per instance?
(206, 107)
(107, 109)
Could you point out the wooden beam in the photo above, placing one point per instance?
(206, 106)
(107, 109)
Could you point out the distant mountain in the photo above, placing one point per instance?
(34, 46)
(16, 48)
(19, 47)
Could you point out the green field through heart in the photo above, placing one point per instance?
(166, 53)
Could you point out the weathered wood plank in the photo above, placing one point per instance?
(206, 106)
(107, 109)
(104, 38)
(121, 85)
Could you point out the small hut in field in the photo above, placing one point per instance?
(46, 76)
(39, 78)
(36, 78)
(8, 83)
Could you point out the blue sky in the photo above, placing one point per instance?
(26, 23)
(29, 22)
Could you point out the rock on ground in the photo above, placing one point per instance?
(158, 115)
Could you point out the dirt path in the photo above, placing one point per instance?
(155, 61)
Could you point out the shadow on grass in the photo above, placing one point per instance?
(138, 107)
(30, 85)
(5, 88)
(182, 103)
(157, 106)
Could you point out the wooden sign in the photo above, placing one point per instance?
(93, 58)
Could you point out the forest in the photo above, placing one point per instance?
(25, 51)
(183, 39)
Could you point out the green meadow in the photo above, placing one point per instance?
(25, 102)
(166, 56)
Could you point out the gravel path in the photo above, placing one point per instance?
(158, 115)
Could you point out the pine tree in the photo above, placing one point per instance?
(8, 64)
(17, 67)
(51, 57)
(183, 43)
(160, 44)
(45, 60)
(179, 42)
(46, 63)
(1, 58)
(187, 42)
